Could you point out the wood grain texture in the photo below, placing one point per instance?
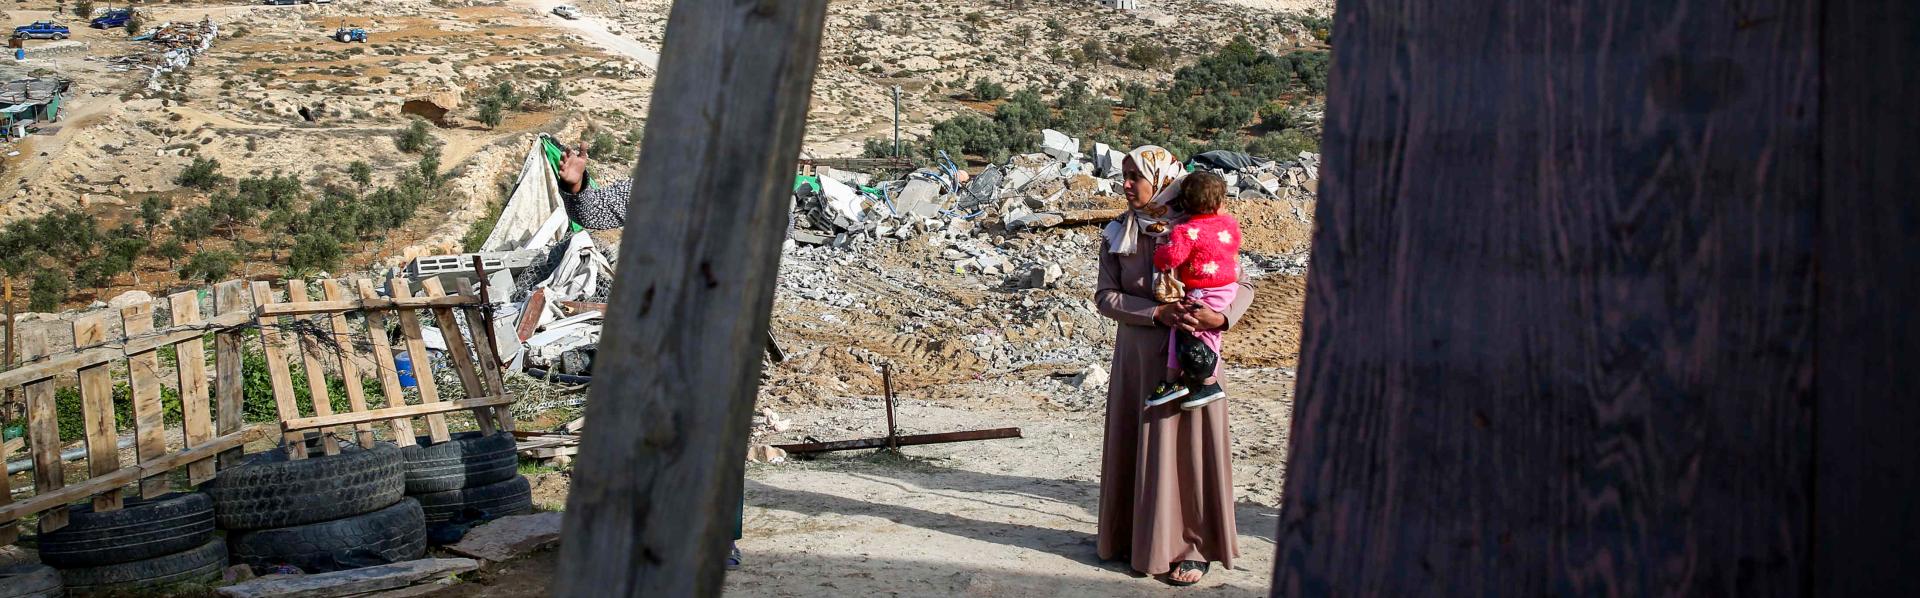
(43, 432)
(1867, 533)
(651, 509)
(349, 356)
(422, 364)
(385, 413)
(274, 350)
(311, 351)
(143, 384)
(96, 407)
(487, 359)
(463, 365)
(196, 412)
(1560, 318)
(229, 390)
(383, 363)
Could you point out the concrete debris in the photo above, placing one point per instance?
(511, 537)
(1059, 146)
(129, 299)
(1092, 378)
(351, 582)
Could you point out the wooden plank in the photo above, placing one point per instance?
(1866, 531)
(386, 413)
(43, 433)
(9, 532)
(229, 390)
(352, 582)
(422, 364)
(463, 364)
(96, 406)
(530, 314)
(55, 500)
(653, 504)
(349, 368)
(1558, 331)
(302, 307)
(310, 353)
(195, 409)
(283, 397)
(383, 364)
(479, 326)
(149, 416)
(69, 361)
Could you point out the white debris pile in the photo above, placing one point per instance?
(171, 47)
(1031, 191)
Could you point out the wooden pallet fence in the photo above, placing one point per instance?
(327, 336)
(93, 359)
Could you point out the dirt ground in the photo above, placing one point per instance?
(988, 518)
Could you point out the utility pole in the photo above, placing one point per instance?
(896, 121)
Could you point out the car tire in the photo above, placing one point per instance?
(396, 533)
(270, 491)
(201, 563)
(142, 530)
(513, 496)
(470, 459)
(30, 580)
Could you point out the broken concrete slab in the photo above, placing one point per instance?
(1036, 221)
(919, 199)
(350, 582)
(511, 537)
(1058, 145)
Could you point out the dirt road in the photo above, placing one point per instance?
(595, 30)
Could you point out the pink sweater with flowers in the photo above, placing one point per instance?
(1203, 252)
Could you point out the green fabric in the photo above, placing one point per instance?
(801, 180)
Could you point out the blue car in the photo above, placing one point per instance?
(112, 19)
(42, 30)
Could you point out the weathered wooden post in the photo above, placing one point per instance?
(659, 475)
(1612, 297)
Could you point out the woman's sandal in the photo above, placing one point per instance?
(1185, 566)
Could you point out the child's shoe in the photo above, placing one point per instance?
(1167, 392)
(1202, 395)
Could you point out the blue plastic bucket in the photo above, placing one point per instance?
(404, 363)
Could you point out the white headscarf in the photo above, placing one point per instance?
(1164, 172)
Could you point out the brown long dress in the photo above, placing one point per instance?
(1166, 480)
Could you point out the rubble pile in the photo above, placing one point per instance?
(171, 47)
(969, 273)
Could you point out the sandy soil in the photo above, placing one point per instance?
(984, 518)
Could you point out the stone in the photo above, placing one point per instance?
(1043, 276)
(1058, 145)
(355, 581)
(237, 573)
(1036, 221)
(1091, 378)
(511, 537)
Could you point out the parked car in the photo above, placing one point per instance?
(42, 30)
(566, 12)
(112, 19)
(280, 2)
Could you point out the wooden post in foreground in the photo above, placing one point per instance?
(658, 479)
(1612, 298)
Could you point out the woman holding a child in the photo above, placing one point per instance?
(1166, 483)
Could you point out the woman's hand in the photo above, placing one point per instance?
(573, 169)
(1190, 318)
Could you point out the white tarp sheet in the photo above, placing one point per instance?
(535, 203)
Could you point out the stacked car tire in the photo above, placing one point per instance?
(471, 477)
(147, 543)
(322, 513)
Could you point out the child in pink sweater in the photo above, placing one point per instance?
(1203, 253)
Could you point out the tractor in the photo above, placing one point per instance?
(345, 35)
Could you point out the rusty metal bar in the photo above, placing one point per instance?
(486, 310)
(899, 441)
(886, 382)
